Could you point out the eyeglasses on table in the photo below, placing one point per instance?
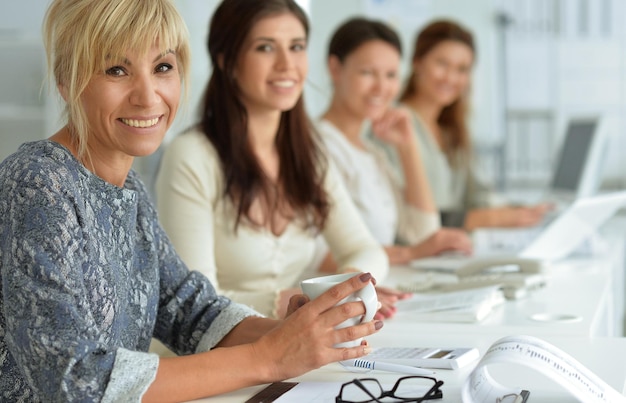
(409, 389)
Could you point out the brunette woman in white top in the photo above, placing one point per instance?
(364, 62)
(437, 95)
(244, 193)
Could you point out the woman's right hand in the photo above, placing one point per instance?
(445, 239)
(305, 339)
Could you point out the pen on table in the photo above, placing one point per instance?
(385, 366)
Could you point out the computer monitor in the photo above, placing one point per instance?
(579, 164)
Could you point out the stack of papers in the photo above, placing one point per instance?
(469, 305)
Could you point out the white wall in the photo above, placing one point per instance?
(197, 14)
(23, 114)
(564, 59)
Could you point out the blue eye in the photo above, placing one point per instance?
(299, 47)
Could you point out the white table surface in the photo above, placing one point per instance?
(583, 286)
(578, 287)
(603, 356)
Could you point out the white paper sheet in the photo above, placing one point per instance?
(544, 358)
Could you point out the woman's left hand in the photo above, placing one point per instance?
(444, 239)
(387, 297)
(394, 127)
(506, 216)
(285, 305)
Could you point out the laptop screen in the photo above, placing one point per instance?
(574, 155)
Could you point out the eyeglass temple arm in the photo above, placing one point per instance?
(435, 392)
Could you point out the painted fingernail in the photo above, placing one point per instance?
(365, 277)
(301, 302)
(378, 325)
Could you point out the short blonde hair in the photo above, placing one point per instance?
(81, 35)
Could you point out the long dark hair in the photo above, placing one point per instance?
(225, 123)
(357, 31)
(453, 117)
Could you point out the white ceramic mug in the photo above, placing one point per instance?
(314, 287)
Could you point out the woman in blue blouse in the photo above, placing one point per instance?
(88, 275)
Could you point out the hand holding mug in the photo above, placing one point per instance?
(315, 287)
(328, 328)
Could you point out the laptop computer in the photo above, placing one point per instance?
(578, 171)
(579, 162)
(555, 241)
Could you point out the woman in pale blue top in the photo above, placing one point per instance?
(437, 95)
(89, 276)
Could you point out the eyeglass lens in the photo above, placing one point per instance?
(369, 389)
(412, 387)
(353, 392)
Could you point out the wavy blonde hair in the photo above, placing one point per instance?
(81, 36)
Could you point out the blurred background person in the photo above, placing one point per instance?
(437, 94)
(364, 66)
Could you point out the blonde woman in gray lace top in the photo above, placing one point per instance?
(88, 275)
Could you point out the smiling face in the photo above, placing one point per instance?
(131, 104)
(272, 66)
(368, 79)
(443, 74)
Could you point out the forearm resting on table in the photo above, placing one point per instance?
(504, 217)
(248, 330)
(206, 374)
(232, 365)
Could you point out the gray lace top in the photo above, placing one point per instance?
(88, 277)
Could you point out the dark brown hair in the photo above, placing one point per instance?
(453, 117)
(356, 31)
(225, 123)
